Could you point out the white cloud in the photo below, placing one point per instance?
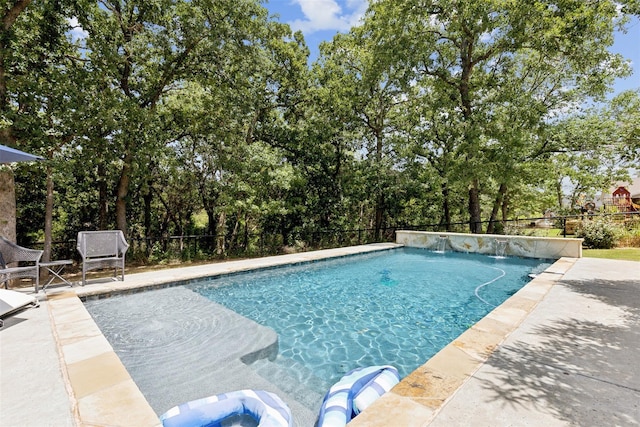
(77, 32)
(337, 15)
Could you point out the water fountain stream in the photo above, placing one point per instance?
(441, 244)
(501, 248)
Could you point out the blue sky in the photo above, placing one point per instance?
(628, 45)
(319, 20)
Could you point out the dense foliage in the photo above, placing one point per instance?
(599, 233)
(173, 117)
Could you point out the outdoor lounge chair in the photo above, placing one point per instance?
(12, 253)
(102, 249)
(12, 301)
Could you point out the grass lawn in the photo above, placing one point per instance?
(554, 232)
(627, 254)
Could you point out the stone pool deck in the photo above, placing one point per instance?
(562, 351)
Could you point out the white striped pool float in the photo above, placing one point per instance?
(354, 392)
(266, 408)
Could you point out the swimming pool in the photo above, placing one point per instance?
(397, 307)
(382, 308)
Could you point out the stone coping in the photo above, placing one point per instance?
(100, 389)
(102, 392)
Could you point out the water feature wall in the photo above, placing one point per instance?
(523, 246)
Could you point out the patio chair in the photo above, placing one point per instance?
(102, 249)
(11, 253)
(12, 302)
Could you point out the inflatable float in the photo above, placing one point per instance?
(265, 408)
(354, 392)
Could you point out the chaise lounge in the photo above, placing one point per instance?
(12, 302)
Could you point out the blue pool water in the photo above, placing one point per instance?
(398, 307)
(395, 307)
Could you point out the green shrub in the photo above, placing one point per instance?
(157, 255)
(599, 233)
(630, 236)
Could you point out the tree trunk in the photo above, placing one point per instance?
(246, 230)
(147, 199)
(467, 47)
(7, 204)
(122, 192)
(48, 216)
(559, 194)
(211, 226)
(505, 208)
(475, 214)
(233, 244)
(11, 12)
(379, 216)
(497, 204)
(220, 232)
(446, 218)
(103, 201)
(284, 233)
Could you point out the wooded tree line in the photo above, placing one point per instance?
(162, 117)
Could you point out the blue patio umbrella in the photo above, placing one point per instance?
(11, 155)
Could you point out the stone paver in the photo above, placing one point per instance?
(33, 389)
